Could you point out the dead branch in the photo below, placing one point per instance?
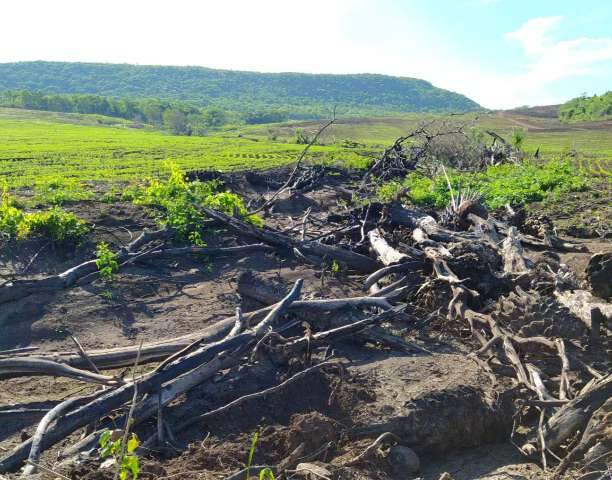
(148, 383)
(574, 415)
(289, 183)
(351, 259)
(15, 367)
(50, 416)
(381, 440)
(257, 395)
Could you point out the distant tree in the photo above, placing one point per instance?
(256, 118)
(597, 107)
(152, 112)
(176, 122)
(214, 117)
(301, 138)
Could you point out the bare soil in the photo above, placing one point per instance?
(443, 395)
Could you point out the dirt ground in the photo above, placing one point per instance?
(435, 387)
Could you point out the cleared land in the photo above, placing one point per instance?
(411, 375)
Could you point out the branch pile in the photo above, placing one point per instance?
(529, 323)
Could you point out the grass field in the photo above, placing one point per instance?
(31, 149)
(38, 145)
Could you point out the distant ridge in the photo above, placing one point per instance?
(301, 95)
(542, 111)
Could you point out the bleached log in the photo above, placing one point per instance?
(513, 255)
(385, 252)
(584, 306)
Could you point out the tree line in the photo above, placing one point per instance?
(180, 118)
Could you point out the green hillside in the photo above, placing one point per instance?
(297, 94)
(581, 109)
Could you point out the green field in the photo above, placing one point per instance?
(38, 145)
(31, 149)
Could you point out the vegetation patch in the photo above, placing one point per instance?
(106, 261)
(597, 107)
(54, 224)
(57, 190)
(35, 147)
(498, 185)
(177, 201)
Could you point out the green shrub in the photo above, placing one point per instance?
(498, 185)
(518, 139)
(528, 182)
(231, 204)
(111, 446)
(55, 224)
(106, 261)
(10, 216)
(388, 192)
(176, 199)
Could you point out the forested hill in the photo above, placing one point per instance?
(299, 94)
(597, 107)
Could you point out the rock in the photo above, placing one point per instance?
(403, 460)
(599, 274)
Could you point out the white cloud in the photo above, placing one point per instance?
(553, 60)
(533, 34)
(547, 61)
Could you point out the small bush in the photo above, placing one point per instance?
(518, 139)
(498, 185)
(388, 192)
(10, 216)
(111, 446)
(106, 261)
(55, 224)
(176, 199)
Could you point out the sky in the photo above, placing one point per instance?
(500, 53)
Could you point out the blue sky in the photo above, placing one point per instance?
(501, 53)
